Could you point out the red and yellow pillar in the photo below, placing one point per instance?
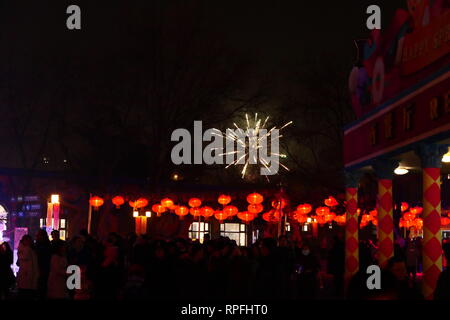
(384, 169)
(351, 227)
(431, 157)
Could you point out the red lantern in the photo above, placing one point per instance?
(304, 208)
(419, 223)
(224, 199)
(181, 211)
(321, 211)
(141, 203)
(408, 216)
(404, 206)
(195, 202)
(255, 198)
(416, 210)
(331, 202)
(301, 218)
(167, 203)
(118, 201)
(330, 217)
(230, 211)
(445, 221)
(207, 212)
(96, 202)
(279, 204)
(246, 216)
(220, 215)
(340, 220)
(373, 213)
(158, 209)
(270, 217)
(255, 208)
(196, 212)
(320, 220)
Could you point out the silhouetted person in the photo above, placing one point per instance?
(44, 253)
(28, 275)
(442, 291)
(7, 278)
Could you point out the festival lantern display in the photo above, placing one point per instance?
(158, 208)
(246, 216)
(331, 202)
(220, 215)
(182, 211)
(207, 212)
(224, 199)
(195, 202)
(255, 198)
(118, 201)
(167, 203)
(304, 208)
(255, 208)
(96, 202)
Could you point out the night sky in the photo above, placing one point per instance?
(73, 79)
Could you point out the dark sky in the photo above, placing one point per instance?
(274, 32)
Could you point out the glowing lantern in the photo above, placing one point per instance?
(230, 211)
(320, 220)
(167, 203)
(141, 203)
(331, 202)
(224, 199)
(445, 221)
(278, 204)
(173, 207)
(373, 213)
(255, 198)
(182, 211)
(416, 210)
(246, 216)
(330, 217)
(255, 208)
(268, 217)
(207, 212)
(375, 222)
(118, 201)
(408, 216)
(96, 202)
(195, 202)
(196, 212)
(301, 218)
(304, 208)
(358, 211)
(340, 220)
(321, 211)
(419, 223)
(220, 215)
(404, 206)
(158, 209)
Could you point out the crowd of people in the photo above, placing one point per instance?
(138, 267)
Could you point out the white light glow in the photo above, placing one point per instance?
(148, 214)
(55, 198)
(401, 171)
(135, 214)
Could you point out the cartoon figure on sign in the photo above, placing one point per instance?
(3, 221)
